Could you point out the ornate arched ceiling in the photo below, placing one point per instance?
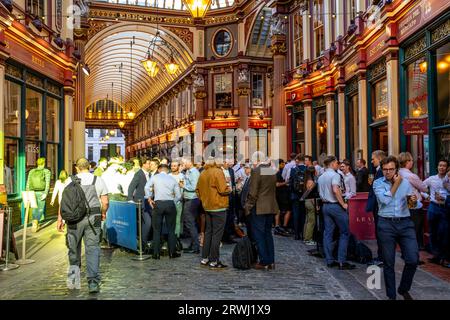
(169, 4)
(110, 48)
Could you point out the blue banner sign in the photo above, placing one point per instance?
(121, 224)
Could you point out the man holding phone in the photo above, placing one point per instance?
(395, 226)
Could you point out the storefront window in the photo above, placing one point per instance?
(12, 109)
(34, 111)
(321, 133)
(52, 161)
(258, 141)
(443, 144)
(223, 91)
(380, 99)
(11, 158)
(418, 108)
(443, 85)
(32, 151)
(298, 38)
(52, 117)
(300, 133)
(257, 90)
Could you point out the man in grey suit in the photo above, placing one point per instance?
(136, 192)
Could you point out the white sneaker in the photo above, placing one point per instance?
(77, 278)
(310, 243)
(71, 274)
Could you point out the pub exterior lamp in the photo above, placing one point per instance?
(121, 124)
(150, 65)
(197, 8)
(86, 69)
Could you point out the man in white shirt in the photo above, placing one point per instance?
(437, 215)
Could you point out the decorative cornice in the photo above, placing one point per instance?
(200, 95)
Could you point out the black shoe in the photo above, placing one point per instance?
(230, 241)
(346, 266)
(405, 295)
(93, 287)
(420, 263)
(156, 256)
(217, 265)
(435, 260)
(333, 264)
(297, 237)
(187, 250)
(192, 251)
(174, 255)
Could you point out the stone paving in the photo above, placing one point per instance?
(297, 276)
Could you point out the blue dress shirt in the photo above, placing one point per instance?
(163, 187)
(392, 206)
(190, 183)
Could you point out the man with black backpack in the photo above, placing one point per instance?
(297, 184)
(83, 207)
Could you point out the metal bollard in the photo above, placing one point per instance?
(24, 259)
(141, 256)
(8, 266)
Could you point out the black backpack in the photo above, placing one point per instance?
(74, 205)
(244, 254)
(297, 179)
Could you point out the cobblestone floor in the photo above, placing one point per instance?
(297, 276)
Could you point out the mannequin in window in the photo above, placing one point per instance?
(39, 182)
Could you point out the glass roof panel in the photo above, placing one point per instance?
(169, 4)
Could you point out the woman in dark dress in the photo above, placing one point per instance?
(284, 202)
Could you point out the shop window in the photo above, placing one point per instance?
(300, 133)
(258, 141)
(321, 133)
(443, 85)
(222, 43)
(52, 119)
(319, 30)
(34, 112)
(52, 161)
(417, 103)
(36, 7)
(257, 90)
(380, 105)
(298, 39)
(90, 133)
(32, 152)
(11, 158)
(12, 109)
(223, 91)
(443, 144)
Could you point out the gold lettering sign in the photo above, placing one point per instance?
(320, 88)
(38, 61)
(7, 44)
(375, 49)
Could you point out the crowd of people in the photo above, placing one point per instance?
(209, 203)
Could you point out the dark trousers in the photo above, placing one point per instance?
(229, 224)
(299, 215)
(168, 210)
(215, 224)
(403, 233)
(262, 233)
(379, 250)
(146, 222)
(334, 215)
(438, 222)
(190, 214)
(418, 218)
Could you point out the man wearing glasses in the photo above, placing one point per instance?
(395, 197)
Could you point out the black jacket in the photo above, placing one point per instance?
(362, 180)
(136, 189)
(372, 204)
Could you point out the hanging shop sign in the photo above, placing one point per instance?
(415, 126)
(375, 50)
(221, 124)
(27, 56)
(259, 124)
(422, 12)
(319, 88)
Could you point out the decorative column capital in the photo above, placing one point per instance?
(200, 95)
(243, 91)
(278, 45)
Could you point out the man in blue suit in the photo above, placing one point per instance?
(372, 204)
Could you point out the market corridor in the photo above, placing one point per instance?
(297, 276)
